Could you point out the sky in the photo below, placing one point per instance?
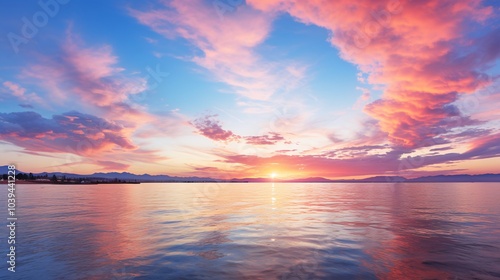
(239, 89)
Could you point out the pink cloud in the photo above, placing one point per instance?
(20, 92)
(305, 166)
(270, 139)
(102, 58)
(111, 165)
(99, 82)
(228, 45)
(16, 89)
(355, 161)
(90, 139)
(92, 74)
(484, 147)
(138, 155)
(422, 72)
(210, 127)
(363, 99)
(71, 132)
(101, 165)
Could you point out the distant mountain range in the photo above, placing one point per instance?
(116, 175)
(390, 179)
(5, 169)
(166, 178)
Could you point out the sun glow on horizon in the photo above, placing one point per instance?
(273, 175)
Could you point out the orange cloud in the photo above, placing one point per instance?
(356, 161)
(419, 51)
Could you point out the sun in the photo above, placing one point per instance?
(273, 175)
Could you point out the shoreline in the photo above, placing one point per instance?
(22, 182)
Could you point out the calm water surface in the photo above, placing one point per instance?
(257, 231)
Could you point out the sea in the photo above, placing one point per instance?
(254, 231)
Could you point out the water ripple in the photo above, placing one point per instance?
(259, 231)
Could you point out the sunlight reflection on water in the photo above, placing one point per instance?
(259, 231)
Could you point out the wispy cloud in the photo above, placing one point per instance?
(228, 47)
(19, 92)
(91, 74)
(111, 165)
